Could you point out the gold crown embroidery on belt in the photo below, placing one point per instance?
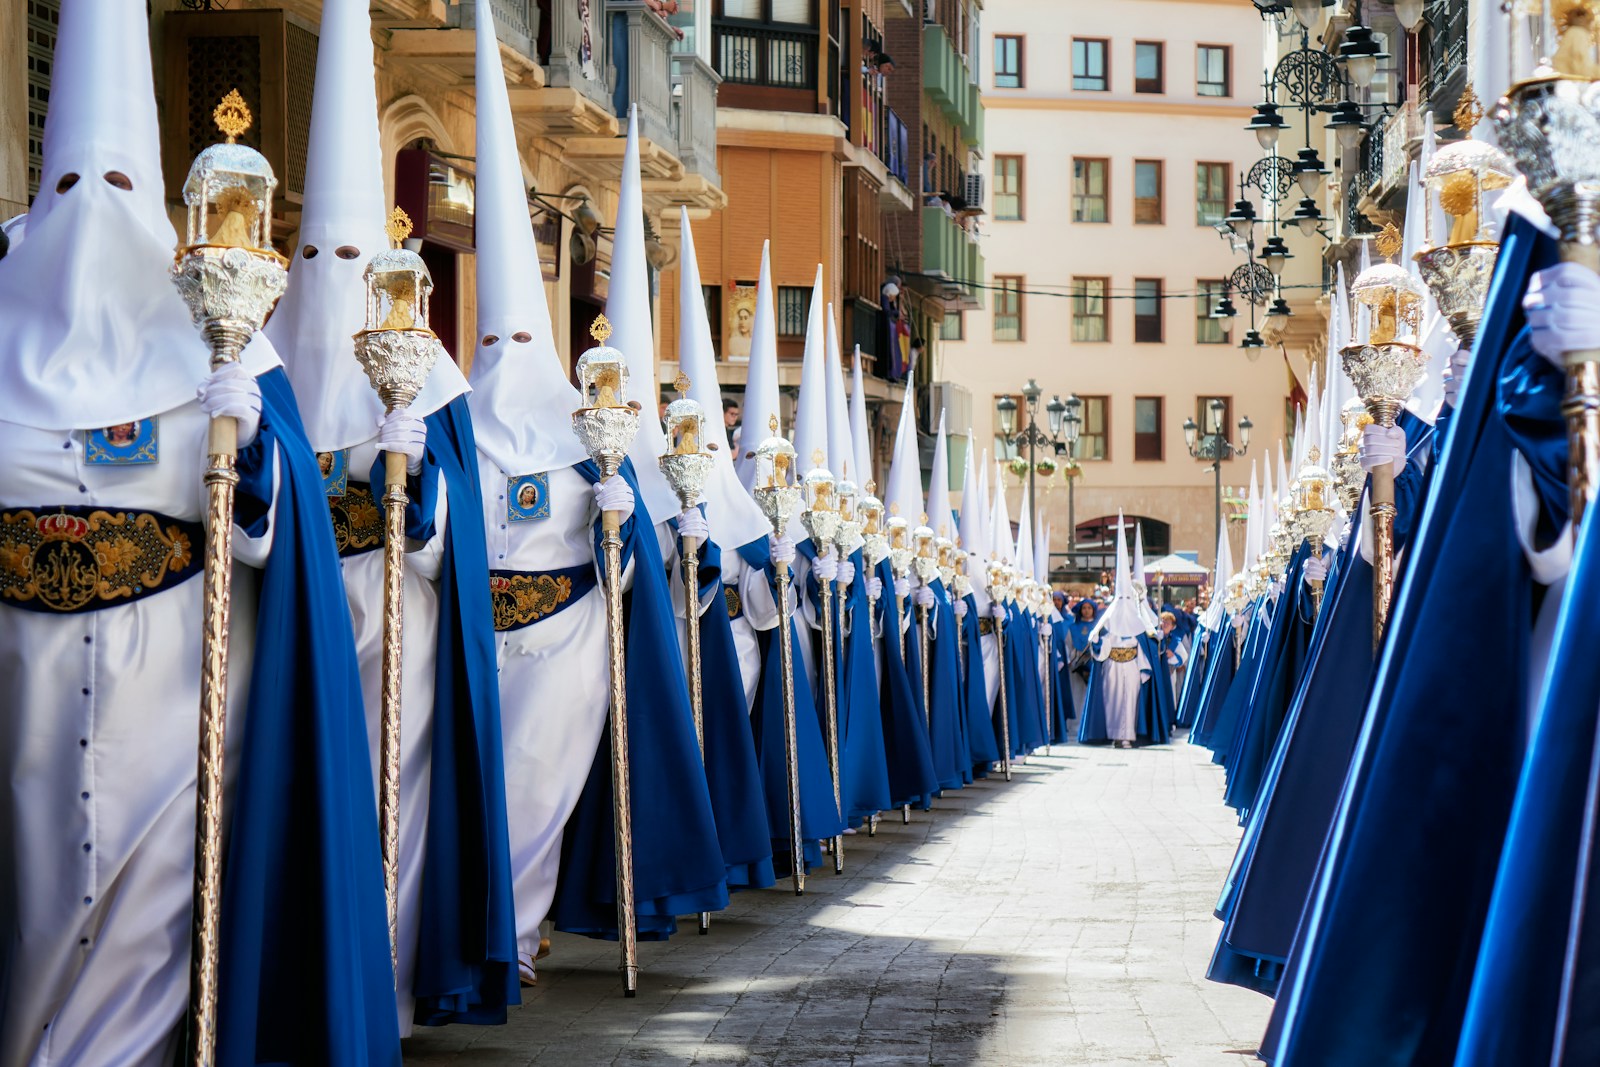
(734, 602)
(357, 520)
(76, 559)
(986, 625)
(520, 599)
(1125, 655)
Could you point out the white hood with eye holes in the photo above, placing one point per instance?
(325, 305)
(522, 401)
(94, 332)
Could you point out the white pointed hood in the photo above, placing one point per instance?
(1001, 546)
(904, 496)
(731, 512)
(981, 513)
(326, 302)
(941, 515)
(1252, 523)
(1041, 550)
(860, 434)
(95, 333)
(1023, 559)
(628, 308)
(1211, 619)
(1122, 618)
(761, 386)
(810, 437)
(841, 444)
(522, 400)
(972, 507)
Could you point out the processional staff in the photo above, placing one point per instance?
(230, 277)
(874, 550)
(606, 425)
(999, 581)
(821, 520)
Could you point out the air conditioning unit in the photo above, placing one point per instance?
(973, 192)
(956, 402)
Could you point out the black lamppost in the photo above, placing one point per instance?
(1062, 439)
(1215, 446)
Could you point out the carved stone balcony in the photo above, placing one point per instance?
(694, 90)
(641, 57)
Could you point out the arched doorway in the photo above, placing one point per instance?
(1095, 543)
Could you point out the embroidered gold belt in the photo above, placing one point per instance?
(72, 559)
(357, 520)
(522, 598)
(1124, 655)
(734, 601)
(986, 625)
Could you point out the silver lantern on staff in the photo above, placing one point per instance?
(874, 539)
(998, 578)
(926, 566)
(230, 276)
(606, 425)
(1385, 371)
(1550, 125)
(1345, 465)
(1314, 514)
(821, 520)
(779, 497)
(686, 466)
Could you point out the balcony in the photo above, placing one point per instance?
(694, 89)
(641, 57)
(579, 69)
(948, 83)
(1444, 40)
(445, 48)
(894, 147)
(769, 65)
(950, 258)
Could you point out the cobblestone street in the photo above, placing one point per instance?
(1062, 918)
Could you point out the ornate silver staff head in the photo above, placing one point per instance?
(1384, 369)
(607, 422)
(688, 461)
(848, 538)
(944, 552)
(1314, 513)
(1346, 462)
(874, 544)
(227, 270)
(396, 347)
(775, 491)
(899, 534)
(959, 563)
(999, 580)
(821, 516)
(923, 559)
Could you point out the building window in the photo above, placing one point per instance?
(1203, 416)
(794, 307)
(1007, 308)
(43, 18)
(1008, 62)
(952, 327)
(1089, 309)
(1007, 188)
(712, 296)
(1149, 67)
(1147, 311)
(1211, 181)
(1089, 190)
(1147, 183)
(753, 50)
(1089, 64)
(1148, 442)
(1211, 70)
(1208, 329)
(1094, 439)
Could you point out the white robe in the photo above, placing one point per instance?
(363, 586)
(1119, 687)
(99, 723)
(554, 690)
(758, 611)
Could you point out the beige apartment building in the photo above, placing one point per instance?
(1115, 142)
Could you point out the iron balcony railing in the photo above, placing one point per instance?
(762, 53)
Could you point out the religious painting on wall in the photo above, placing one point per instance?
(741, 319)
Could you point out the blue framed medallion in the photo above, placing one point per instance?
(123, 445)
(527, 497)
(335, 468)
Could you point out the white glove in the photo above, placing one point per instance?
(902, 587)
(1563, 309)
(402, 432)
(231, 390)
(782, 548)
(1455, 374)
(846, 574)
(960, 608)
(826, 568)
(924, 597)
(692, 523)
(614, 494)
(1383, 444)
(1315, 569)
(997, 611)
(874, 587)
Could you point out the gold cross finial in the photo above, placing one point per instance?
(600, 329)
(772, 424)
(894, 509)
(872, 488)
(1389, 240)
(924, 518)
(817, 457)
(232, 116)
(1469, 111)
(681, 384)
(398, 227)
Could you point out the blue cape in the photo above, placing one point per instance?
(982, 748)
(1222, 660)
(678, 868)
(304, 974)
(905, 735)
(1381, 970)
(951, 760)
(1153, 719)
(733, 778)
(864, 765)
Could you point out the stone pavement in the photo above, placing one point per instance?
(1063, 918)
